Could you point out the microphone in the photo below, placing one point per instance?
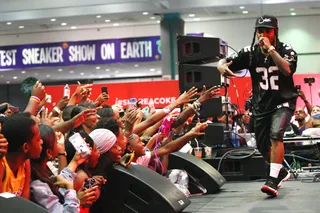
(261, 43)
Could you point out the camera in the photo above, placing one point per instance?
(309, 80)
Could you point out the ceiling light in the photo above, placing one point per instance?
(196, 19)
(136, 65)
(242, 7)
(107, 76)
(107, 20)
(74, 27)
(81, 73)
(98, 16)
(36, 73)
(192, 15)
(115, 24)
(9, 23)
(48, 76)
(23, 72)
(145, 13)
(245, 12)
(293, 14)
(107, 70)
(152, 69)
(8, 82)
(63, 24)
(152, 17)
(100, 76)
(21, 27)
(15, 77)
(97, 68)
(292, 9)
(71, 71)
(117, 71)
(159, 71)
(60, 70)
(53, 19)
(158, 22)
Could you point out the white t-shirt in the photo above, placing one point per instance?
(144, 160)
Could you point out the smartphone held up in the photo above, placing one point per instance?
(80, 145)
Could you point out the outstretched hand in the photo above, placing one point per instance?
(196, 131)
(83, 116)
(187, 97)
(211, 93)
(225, 71)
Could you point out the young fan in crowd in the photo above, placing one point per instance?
(56, 194)
(24, 143)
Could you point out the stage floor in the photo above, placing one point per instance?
(246, 197)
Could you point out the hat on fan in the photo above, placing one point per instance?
(104, 139)
(267, 21)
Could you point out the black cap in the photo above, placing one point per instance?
(267, 21)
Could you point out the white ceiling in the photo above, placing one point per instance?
(36, 15)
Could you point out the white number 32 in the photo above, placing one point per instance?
(268, 81)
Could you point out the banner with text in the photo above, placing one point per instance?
(162, 93)
(140, 49)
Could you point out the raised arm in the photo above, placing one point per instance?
(38, 93)
(206, 95)
(183, 98)
(180, 142)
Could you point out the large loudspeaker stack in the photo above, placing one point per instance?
(194, 56)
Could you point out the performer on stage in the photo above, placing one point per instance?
(271, 64)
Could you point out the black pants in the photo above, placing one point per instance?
(271, 126)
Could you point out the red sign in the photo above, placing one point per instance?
(162, 93)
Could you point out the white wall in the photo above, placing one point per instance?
(302, 32)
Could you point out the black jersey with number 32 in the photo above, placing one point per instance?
(270, 87)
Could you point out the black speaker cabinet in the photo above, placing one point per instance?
(200, 50)
(18, 204)
(197, 76)
(203, 172)
(139, 189)
(211, 108)
(214, 134)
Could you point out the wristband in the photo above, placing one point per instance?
(271, 48)
(62, 154)
(57, 110)
(166, 110)
(197, 102)
(194, 109)
(35, 99)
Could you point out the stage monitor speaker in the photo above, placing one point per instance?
(197, 76)
(203, 172)
(139, 189)
(12, 204)
(200, 50)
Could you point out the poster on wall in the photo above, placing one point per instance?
(141, 49)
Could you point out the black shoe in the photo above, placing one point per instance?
(270, 187)
(284, 175)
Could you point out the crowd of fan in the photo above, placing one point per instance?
(38, 162)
